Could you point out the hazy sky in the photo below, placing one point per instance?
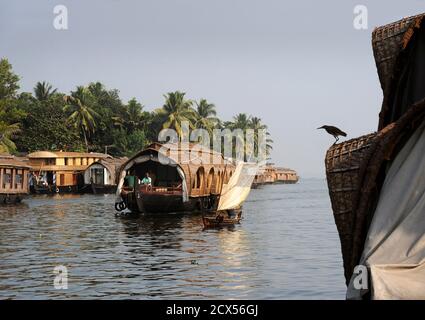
(297, 64)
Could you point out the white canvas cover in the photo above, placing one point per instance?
(237, 189)
(394, 251)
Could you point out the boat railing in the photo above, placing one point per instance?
(160, 189)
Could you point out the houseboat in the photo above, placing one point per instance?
(269, 174)
(13, 178)
(102, 176)
(173, 178)
(58, 171)
(285, 175)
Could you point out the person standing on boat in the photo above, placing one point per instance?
(147, 181)
(32, 181)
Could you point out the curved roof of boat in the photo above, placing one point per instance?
(63, 154)
(8, 160)
(110, 163)
(155, 147)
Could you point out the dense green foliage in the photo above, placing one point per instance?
(94, 118)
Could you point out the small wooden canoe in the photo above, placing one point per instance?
(223, 219)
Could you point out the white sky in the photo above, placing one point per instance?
(297, 65)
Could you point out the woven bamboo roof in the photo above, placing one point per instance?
(389, 43)
(171, 149)
(356, 168)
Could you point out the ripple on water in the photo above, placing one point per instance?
(285, 247)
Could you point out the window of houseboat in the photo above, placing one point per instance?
(200, 178)
(69, 161)
(7, 179)
(97, 174)
(210, 180)
(50, 162)
(18, 179)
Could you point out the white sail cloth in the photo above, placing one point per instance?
(235, 192)
(394, 251)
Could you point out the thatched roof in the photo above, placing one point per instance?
(171, 149)
(356, 168)
(391, 44)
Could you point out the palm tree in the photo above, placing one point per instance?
(206, 115)
(81, 115)
(99, 92)
(244, 122)
(43, 91)
(257, 125)
(132, 118)
(241, 121)
(134, 114)
(7, 131)
(97, 89)
(176, 110)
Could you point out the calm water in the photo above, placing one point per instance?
(286, 247)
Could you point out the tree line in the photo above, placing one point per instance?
(93, 118)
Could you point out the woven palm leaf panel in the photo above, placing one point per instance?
(399, 49)
(356, 169)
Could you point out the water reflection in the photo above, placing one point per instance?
(269, 255)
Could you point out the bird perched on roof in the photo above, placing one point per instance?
(334, 131)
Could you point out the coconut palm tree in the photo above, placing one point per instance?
(257, 125)
(43, 91)
(206, 115)
(134, 114)
(7, 131)
(133, 117)
(241, 121)
(81, 115)
(176, 110)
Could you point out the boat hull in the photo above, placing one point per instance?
(286, 181)
(99, 189)
(11, 198)
(224, 218)
(53, 189)
(168, 203)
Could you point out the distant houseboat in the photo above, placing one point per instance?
(183, 178)
(285, 175)
(102, 176)
(58, 171)
(269, 174)
(13, 178)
